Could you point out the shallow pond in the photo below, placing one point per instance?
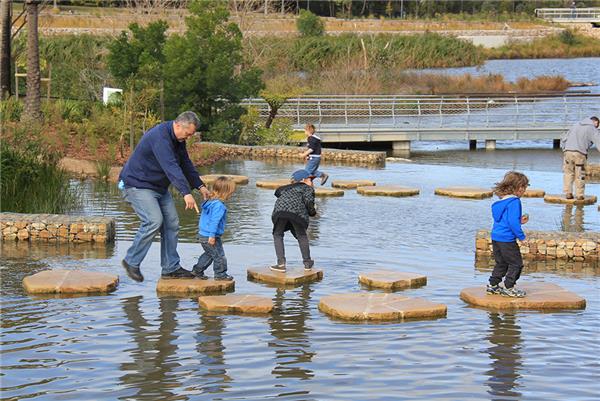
(135, 345)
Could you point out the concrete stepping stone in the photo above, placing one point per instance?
(539, 296)
(352, 184)
(465, 192)
(391, 280)
(381, 307)
(236, 303)
(293, 276)
(193, 286)
(387, 190)
(273, 184)
(70, 282)
(322, 192)
(210, 179)
(534, 193)
(560, 198)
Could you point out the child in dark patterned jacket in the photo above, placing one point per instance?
(294, 206)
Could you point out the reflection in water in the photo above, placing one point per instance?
(212, 375)
(291, 342)
(506, 362)
(39, 250)
(556, 266)
(572, 218)
(154, 354)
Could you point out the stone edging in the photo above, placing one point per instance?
(56, 227)
(540, 245)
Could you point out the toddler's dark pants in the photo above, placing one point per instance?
(509, 263)
(299, 232)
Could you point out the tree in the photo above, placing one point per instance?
(204, 71)
(32, 111)
(5, 23)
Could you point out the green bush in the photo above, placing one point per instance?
(309, 24)
(567, 37)
(10, 110)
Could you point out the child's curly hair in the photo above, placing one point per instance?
(223, 188)
(511, 183)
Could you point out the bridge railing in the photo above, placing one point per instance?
(418, 112)
(569, 14)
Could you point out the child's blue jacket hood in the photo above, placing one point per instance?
(507, 220)
(213, 218)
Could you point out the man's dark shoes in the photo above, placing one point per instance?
(132, 271)
(226, 277)
(179, 273)
(569, 195)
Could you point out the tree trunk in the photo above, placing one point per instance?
(271, 116)
(5, 25)
(32, 111)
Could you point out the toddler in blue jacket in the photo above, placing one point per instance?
(505, 231)
(211, 227)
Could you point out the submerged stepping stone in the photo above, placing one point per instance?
(534, 193)
(328, 192)
(539, 296)
(70, 282)
(465, 192)
(560, 198)
(387, 190)
(293, 276)
(236, 303)
(376, 306)
(193, 286)
(210, 179)
(351, 184)
(392, 280)
(273, 184)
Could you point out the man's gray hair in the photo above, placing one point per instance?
(188, 117)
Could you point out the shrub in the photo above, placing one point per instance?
(567, 37)
(309, 24)
(10, 110)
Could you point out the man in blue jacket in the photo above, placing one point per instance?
(160, 159)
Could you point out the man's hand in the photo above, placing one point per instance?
(211, 241)
(205, 192)
(190, 202)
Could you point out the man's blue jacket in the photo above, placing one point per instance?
(160, 160)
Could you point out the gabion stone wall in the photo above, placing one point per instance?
(56, 227)
(540, 245)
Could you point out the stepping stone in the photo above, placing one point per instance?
(328, 192)
(351, 184)
(193, 286)
(539, 296)
(465, 192)
(273, 184)
(236, 303)
(210, 179)
(534, 193)
(70, 282)
(560, 198)
(387, 190)
(293, 276)
(376, 306)
(392, 280)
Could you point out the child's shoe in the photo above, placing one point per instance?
(308, 264)
(278, 268)
(324, 178)
(225, 277)
(511, 292)
(492, 289)
(200, 275)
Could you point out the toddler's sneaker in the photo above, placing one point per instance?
(324, 177)
(225, 277)
(511, 292)
(308, 265)
(492, 289)
(278, 268)
(200, 275)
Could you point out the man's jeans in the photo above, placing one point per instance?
(312, 166)
(212, 254)
(157, 213)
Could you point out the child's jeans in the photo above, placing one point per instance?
(212, 254)
(312, 166)
(509, 263)
(299, 232)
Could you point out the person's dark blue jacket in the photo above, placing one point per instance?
(507, 220)
(213, 218)
(160, 160)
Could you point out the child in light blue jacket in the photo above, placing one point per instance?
(210, 229)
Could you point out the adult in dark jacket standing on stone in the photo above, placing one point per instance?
(159, 160)
(575, 144)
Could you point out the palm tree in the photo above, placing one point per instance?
(32, 111)
(5, 24)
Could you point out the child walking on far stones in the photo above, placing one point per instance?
(211, 227)
(313, 154)
(505, 231)
(294, 205)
